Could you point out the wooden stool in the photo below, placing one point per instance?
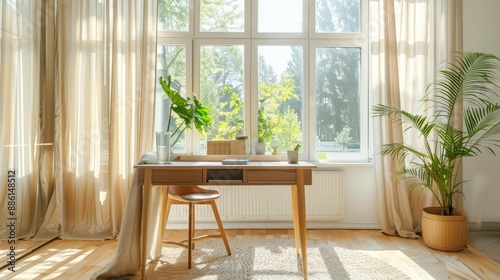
(193, 195)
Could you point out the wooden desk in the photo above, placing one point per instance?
(214, 173)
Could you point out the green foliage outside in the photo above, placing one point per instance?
(273, 109)
(280, 110)
(343, 137)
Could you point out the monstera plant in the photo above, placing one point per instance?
(189, 112)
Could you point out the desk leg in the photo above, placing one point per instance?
(146, 216)
(299, 217)
(302, 227)
(295, 209)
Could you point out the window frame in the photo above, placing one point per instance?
(188, 43)
(363, 154)
(256, 43)
(181, 34)
(362, 34)
(274, 35)
(224, 35)
(251, 39)
(197, 43)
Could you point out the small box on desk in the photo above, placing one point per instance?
(226, 147)
(211, 148)
(237, 147)
(218, 147)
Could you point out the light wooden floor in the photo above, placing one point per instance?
(65, 259)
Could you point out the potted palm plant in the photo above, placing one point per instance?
(468, 80)
(188, 112)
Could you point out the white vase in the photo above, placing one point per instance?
(163, 147)
(260, 148)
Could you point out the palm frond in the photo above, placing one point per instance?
(469, 78)
(482, 127)
(381, 110)
(418, 122)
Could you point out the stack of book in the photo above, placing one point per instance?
(235, 162)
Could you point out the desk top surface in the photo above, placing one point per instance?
(218, 164)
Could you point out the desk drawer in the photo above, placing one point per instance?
(283, 177)
(177, 176)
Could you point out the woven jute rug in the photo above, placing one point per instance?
(274, 259)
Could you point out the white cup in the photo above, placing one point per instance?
(293, 156)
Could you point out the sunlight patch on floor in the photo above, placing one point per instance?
(402, 262)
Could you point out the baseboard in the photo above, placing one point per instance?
(475, 228)
(489, 227)
(272, 225)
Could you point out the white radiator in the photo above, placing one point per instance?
(324, 202)
(325, 198)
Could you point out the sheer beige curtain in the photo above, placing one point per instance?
(409, 39)
(106, 67)
(23, 151)
(94, 105)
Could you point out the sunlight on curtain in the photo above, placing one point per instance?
(77, 106)
(19, 119)
(409, 38)
(82, 123)
(106, 113)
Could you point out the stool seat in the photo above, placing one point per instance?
(193, 195)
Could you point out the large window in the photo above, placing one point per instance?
(286, 70)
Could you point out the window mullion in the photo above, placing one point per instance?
(220, 54)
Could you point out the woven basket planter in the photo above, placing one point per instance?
(444, 233)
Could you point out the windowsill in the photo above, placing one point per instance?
(223, 157)
(350, 164)
(319, 164)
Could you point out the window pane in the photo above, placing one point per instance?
(171, 60)
(173, 15)
(334, 16)
(222, 16)
(222, 87)
(280, 95)
(280, 16)
(337, 99)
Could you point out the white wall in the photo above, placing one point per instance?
(482, 193)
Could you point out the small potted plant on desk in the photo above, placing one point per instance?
(187, 111)
(468, 79)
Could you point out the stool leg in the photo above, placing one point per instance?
(190, 232)
(221, 228)
(193, 223)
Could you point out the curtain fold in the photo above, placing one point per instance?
(75, 130)
(409, 39)
(20, 118)
(132, 61)
(106, 115)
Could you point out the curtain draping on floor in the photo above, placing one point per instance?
(409, 39)
(77, 107)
